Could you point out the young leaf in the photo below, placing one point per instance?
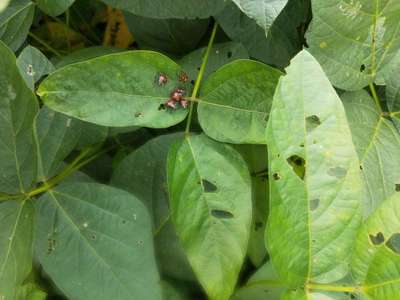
(18, 108)
(210, 199)
(15, 22)
(376, 261)
(354, 40)
(264, 12)
(169, 9)
(32, 65)
(16, 221)
(54, 7)
(378, 146)
(100, 237)
(315, 186)
(235, 102)
(120, 89)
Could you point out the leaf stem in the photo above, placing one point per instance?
(200, 77)
(46, 45)
(333, 288)
(375, 96)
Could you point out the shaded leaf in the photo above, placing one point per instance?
(354, 40)
(100, 237)
(190, 161)
(32, 65)
(301, 240)
(15, 22)
(18, 108)
(235, 102)
(16, 219)
(54, 7)
(116, 90)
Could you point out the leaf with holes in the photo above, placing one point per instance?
(16, 235)
(121, 89)
(315, 185)
(210, 199)
(101, 239)
(376, 259)
(355, 40)
(240, 94)
(378, 147)
(18, 108)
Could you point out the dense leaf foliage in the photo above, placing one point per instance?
(193, 150)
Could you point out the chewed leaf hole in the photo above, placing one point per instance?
(337, 172)
(362, 68)
(298, 165)
(209, 187)
(221, 214)
(229, 54)
(393, 243)
(312, 122)
(314, 204)
(377, 239)
(276, 176)
(397, 187)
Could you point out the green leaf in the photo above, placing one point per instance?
(54, 7)
(148, 181)
(15, 22)
(169, 9)
(118, 90)
(210, 199)
(378, 147)
(31, 291)
(220, 55)
(100, 237)
(18, 108)
(176, 36)
(376, 261)
(16, 221)
(235, 102)
(264, 12)
(315, 185)
(33, 65)
(354, 40)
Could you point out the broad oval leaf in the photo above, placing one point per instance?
(376, 257)
(16, 234)
(354, 40)
(210, 201)
(378, 147)
(235, 101)
(18, 108)
(264, 12)
(54, 7)
(120, 89)
(15, 22)
(101, 239)
(169, 9)
(315, 185)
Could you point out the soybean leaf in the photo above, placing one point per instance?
(235, 102)
(32, 65)
(264, 12)
(148, 181)
(315, 185)
(100, 237)
(220, 55)
(31, 291)
(378, 146)
(16, 219)
(120, 89)
(15, 22)
(4, 4)
(176, 36)
(18, 108)
(54, 7)
(376, 261)
(354, 40)
(392, 80)
(210, 199)
(169, 9)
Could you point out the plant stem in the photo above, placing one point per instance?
(200, 77)
(375, 96)
(46, 45)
